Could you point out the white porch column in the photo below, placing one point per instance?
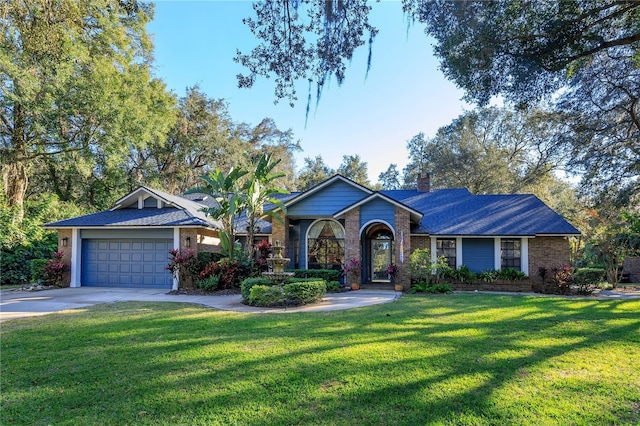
(459, 260)
(434, 249)
(497, 255)
(176, 245)
(76, 258)
(524, 256)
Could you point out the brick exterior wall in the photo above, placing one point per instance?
(547, 252)
(66, 233)
(352, 241)
(191, 233)
(280, 230)
(420, 242)
(402, 224)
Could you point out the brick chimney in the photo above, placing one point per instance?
(424, 183)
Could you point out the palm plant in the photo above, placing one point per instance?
(228, 192)
(260, 189)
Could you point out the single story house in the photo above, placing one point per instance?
(323, 227)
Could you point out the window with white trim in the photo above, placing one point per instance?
(325, 244)
(447, 247)
(510, 253)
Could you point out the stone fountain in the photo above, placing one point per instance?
(276, 264)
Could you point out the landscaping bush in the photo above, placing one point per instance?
(37, 266)
(265, 295)
(324, 274)
(260, 291)
(54, 269)
(210, 283)
(489, 276)
(439, 288)
(333, 286)
(463, 275)
(589, 275)
(232, 272)
(247, 284)
(206, 257)
(510, 274)
(427, 288)
(305, 292)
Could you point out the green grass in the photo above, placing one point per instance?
(456, 359)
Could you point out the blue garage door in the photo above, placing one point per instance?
(126, 263)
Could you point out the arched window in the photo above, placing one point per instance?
(325, 243)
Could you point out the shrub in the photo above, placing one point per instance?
(54, 269)
(488, 276)
(206, 257)
(333, 286)
(427, 288)
(36, 267)
(247, 284)
(419, 287)
(324, 274)
(511, 274)
(463, 275)
(587, 279)
(439, 288)
(232, 272)
(183, 264)
(423, 270)
(265, 295)
(210, 283)
(305, 292)
(589, 275)
(561, 278)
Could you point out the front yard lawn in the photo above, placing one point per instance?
(456, 359)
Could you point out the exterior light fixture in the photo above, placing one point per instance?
(65, 241)
(188, 242)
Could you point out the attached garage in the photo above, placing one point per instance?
(129, 245)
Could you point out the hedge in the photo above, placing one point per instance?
(589, 275)
(324, 274)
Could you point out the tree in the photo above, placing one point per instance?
(489, 150)
(307, 40)
(354, 168)
(267, 139)
(227, 191)
(525, 52)
(391, 178)
(603, 110)
(202, 139)
(260, 190)
(75, 79)
(537, 45)
(314, 172)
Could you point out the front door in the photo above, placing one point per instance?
(380, 259)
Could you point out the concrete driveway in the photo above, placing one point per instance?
(21, 304)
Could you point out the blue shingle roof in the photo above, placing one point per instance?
(134, 217)
(458, 212)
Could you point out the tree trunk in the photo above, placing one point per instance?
(14, 170)
(15, 180)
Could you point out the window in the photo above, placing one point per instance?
(325, 245)
(447, 248)
(510, 253)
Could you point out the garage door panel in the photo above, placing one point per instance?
(126, 263)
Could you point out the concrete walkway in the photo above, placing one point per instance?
(21, 304)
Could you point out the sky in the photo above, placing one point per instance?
(372, 115)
